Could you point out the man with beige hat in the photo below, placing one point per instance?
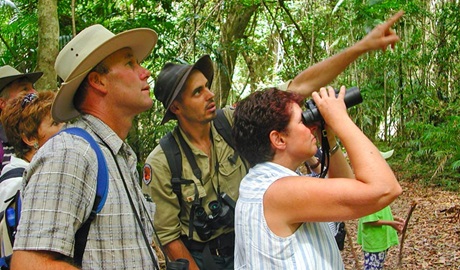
(104, 87)
(12, 82)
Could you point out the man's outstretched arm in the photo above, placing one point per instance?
(322, 73)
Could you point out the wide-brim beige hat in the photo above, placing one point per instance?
(84, 52)
(8, 74)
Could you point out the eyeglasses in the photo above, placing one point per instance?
(28, 99)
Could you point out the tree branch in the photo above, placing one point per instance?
(8, 47)
(403, 235)
(304, 40)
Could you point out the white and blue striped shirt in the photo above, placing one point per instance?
(312, 246)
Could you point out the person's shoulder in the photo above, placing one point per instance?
(14, 163)
(228, 112)
(157, 156)
(66, 146)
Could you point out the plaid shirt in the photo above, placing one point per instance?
(59, 193)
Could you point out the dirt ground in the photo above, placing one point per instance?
(432, 238)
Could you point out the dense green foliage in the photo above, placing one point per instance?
(411, 93)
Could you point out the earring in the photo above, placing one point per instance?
(36, 145)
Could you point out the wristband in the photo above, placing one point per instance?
(334, 149)
(314, 166)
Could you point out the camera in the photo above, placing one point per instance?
(200, 222)
(222, 215)
(312, 114)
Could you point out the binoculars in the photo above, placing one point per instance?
(312, 114)
(205, 225)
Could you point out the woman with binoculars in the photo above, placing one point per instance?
(280, 217)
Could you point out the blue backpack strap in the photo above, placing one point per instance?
(5, 262)
(102, 188)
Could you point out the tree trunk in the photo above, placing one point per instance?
(48, 43)
(232, 30)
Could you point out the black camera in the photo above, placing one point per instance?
(201, 224)
(312, 114)
(222, 215)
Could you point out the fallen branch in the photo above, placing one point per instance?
(403, 235)
(353, 251)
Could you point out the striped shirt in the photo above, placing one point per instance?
(312, 246)
(59, 193)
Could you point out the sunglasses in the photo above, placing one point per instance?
(28, 99)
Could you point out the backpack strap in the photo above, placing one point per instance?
(13, 173)
(102, 187)
(12, 214)
(174, 158)
(224, 128)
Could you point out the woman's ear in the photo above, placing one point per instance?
(32, 141)
(277, 139)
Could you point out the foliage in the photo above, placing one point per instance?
(19, 47)
(411, 93)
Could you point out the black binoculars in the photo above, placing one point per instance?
(205, 225)
(312, 114)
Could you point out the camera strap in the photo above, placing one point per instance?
(325, 147)
(188, 153)
(136, 214)
(196, 203)
(197, 172)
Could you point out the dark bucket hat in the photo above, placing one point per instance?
(172, 78)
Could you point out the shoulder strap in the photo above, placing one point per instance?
(174, 158)
(10, 219)
(12, 213)
(223, 127)
(16, 172)
(102, 187)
